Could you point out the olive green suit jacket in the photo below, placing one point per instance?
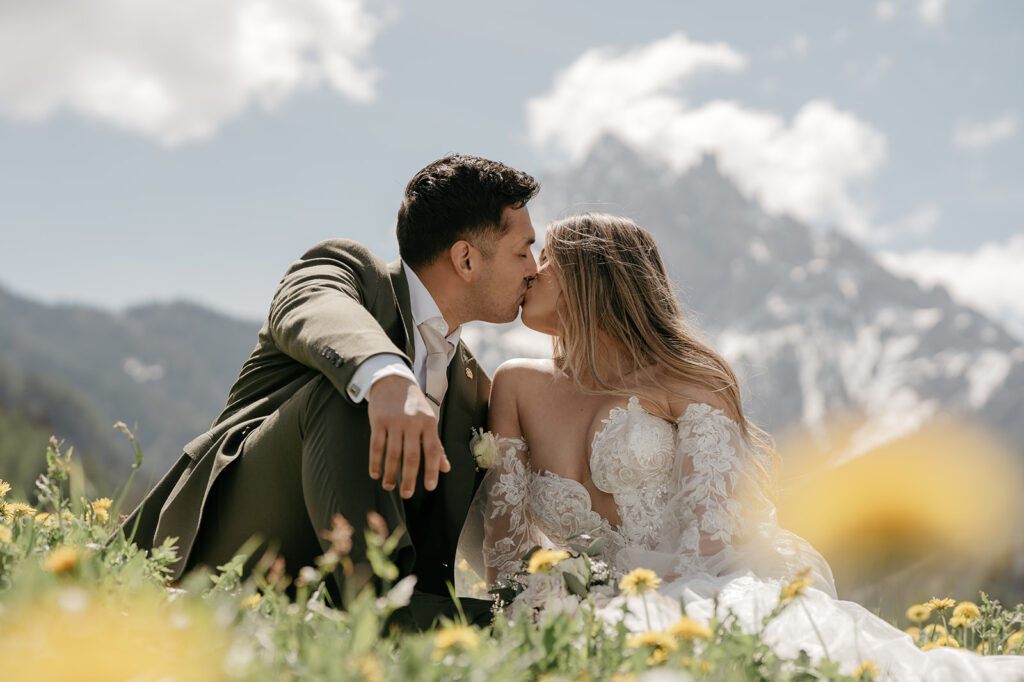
(335, 307)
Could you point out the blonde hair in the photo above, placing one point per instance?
(614, 282)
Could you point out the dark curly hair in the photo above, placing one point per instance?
(458, 197)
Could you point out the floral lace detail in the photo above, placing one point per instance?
(507, 533)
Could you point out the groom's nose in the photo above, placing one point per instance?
(531, 266)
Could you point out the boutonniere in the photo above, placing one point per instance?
(484, 447)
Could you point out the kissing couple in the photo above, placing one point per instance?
(360, 399)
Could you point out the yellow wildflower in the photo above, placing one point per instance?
(937, 604)
(868, 667)
(914, 632)
(919, 613)
(942, 640)
(101, 509)
(454, 635)
(622, 677)
(796, 586)
(639, 580)
(61, 560)
(5, 513)
(688, 628)
(661, 642)
(984, 649)
(5, 535)
(1014, 641)
(931, 631)
(20, 509)
(958, 622)
(543, 559)
(967, 610)
(5, 487)
(369, 668)
(252, 601)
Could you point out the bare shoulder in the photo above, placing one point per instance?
(520, 372)
(683, 394)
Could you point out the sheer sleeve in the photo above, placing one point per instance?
(498, 531)
(719, 517)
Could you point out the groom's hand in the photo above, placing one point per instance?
(403, 430)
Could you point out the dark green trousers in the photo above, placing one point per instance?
(296, 470)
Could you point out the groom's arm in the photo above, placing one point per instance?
(326, 315)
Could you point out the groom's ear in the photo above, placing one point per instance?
(464, 259)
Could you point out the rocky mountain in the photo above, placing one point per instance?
(75, 370)
(816, 327)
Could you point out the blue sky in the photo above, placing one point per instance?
(160, 150)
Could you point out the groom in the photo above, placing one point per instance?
(360, 393)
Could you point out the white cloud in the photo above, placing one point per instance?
(804, 167)
(973, 136)
(932, 12)
(885, 10)
(178, 71)
(918, 223)
(989, 278)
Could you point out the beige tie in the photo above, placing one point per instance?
(438, 348)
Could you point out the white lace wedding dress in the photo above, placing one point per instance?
(690, 499)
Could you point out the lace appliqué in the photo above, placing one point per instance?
(506, 531)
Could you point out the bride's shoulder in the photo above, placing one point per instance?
(525, 369)
(682, 395)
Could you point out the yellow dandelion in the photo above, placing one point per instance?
(252, 601)
(622, 677)
(101, 509)
(543, 559)
(984, 649)
(937, 604)
(20, 510)
(1013, 641)
(639, 580)
(369, 667)
(5, 535)
(688, 628)
(942, 640)
(5, 512)
(958, 622)
(919, 613)
(706, 667)
(796, 587)
(967, 610)
(5, 487)
(868, 667)
(61, 560)
(931, 631)
(662, 644)
(455, 635)
(914, 632)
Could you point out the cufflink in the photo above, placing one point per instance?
(469, 373)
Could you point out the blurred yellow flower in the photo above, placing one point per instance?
(930, 631)
(543, 559)
(984, 649)
(942, 640)
(868, 667)
(369, 667)
(914, 632)
(49, 521)
(252, 601)
(5, 534)
(73, 634)
(796, 587)
(101, 510)
(688, 628)
(5, 487)
(919, 613)
(639, 580)
(937, 604)
(967, 610)
(454, 635)
(61, 560)
(662, 644)
(1014, 641)
(20, 509)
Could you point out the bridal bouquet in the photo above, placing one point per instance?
(557, 580)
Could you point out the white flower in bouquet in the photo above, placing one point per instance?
(484, 447)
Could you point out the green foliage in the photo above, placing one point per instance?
(76, 596)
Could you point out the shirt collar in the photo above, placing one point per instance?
(424, 307)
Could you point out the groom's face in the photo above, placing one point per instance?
(508, 269)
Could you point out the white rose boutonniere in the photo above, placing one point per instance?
(484, 447)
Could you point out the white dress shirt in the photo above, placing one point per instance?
(375, 368)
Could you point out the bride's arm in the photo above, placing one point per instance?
(507, 535)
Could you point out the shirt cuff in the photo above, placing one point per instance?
(373, 370)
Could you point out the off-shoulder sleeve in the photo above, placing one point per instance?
(498, 531)
(719, 517)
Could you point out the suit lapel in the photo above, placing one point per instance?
(401, 286)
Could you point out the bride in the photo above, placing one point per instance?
(635, 433)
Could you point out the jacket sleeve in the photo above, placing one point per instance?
(331, 309)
